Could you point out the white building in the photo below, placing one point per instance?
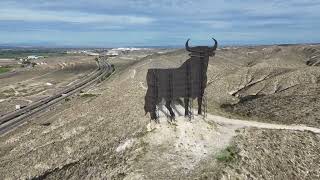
(34, 57)
(92, 54)
(112, 53)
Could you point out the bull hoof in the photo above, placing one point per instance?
(171, 119)
(153, 116)
(157, 121)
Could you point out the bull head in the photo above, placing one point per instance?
(202, 49)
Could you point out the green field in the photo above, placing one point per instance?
(22, 53)
(4, 69)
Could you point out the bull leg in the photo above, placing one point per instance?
(199, 105)
(153, 114)
(186, 106)
(172, 115)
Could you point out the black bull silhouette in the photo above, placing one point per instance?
(187, 81)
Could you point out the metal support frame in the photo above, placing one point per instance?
(202, 90)
(189, 91)
(170, 91)
(156, 93)
(204, 105)
(190, 106)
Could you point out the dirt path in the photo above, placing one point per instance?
(244, 123)
(179, 110)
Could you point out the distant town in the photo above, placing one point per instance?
(105, 52)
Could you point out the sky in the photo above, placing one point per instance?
(118, 23)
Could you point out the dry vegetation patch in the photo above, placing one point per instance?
(275, 154)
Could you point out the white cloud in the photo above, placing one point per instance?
(72, 17)
(216, 24)
(162, 21)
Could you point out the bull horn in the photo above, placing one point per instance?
(215, 44)
(187, 46)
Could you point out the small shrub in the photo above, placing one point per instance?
(228, 154)
(46, 124)
(88, 95)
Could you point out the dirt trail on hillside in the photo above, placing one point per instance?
(179, 110)
(224, 121)
(244, 123)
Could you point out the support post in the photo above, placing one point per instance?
(201, 83)
(170, 90)
(156, 93)
(189, 90)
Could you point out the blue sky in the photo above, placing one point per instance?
(114, 23)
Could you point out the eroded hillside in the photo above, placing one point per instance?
(108, 135)
(276, 84)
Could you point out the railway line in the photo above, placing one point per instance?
(16, 118)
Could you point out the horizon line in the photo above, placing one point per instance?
(25, 46)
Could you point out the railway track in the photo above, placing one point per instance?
(15, 118)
